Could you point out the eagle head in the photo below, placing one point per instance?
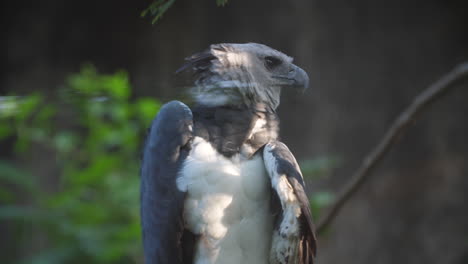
(243, 74)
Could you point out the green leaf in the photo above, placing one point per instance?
(96, 170)
(320, 200)
(28, 106)
(9, 106)
(45, 113)
(95, 86)
(319, 167)
(157, 9)
(13, 175)
(65, 141)
(221, 2)
(146, 109)
(6, 129)
(116, 85)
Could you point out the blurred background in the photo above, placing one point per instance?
(81, 81)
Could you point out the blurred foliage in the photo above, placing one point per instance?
(94, 132)
(319, 168)
(159, 7)
(319, 201)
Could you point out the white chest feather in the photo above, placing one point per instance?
(228, 205)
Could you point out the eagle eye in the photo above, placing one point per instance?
(272, 62)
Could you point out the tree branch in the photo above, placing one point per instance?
(421, 102)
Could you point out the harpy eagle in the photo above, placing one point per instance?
(217, 186)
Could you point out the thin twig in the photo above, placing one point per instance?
(421, 102)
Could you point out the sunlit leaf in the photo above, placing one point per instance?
(116, 85)
(65, 141)
(9, 106)
(27, 106)
(146, 109)
(96, 86)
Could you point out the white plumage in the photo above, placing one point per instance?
(228, 204)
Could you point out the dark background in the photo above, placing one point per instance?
(366, 60)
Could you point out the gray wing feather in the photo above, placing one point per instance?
(166, 148)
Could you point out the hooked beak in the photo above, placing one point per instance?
(296, 77)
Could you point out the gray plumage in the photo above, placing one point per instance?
(251, 73)
(165, 149)
(237, 89)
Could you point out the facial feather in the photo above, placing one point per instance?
(234, 74)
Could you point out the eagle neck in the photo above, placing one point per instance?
(236, 129)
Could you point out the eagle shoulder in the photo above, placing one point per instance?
(165, 149)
